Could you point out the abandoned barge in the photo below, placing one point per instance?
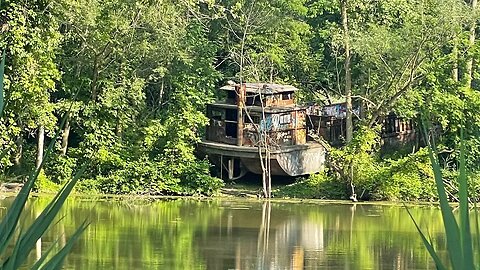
(258, 120)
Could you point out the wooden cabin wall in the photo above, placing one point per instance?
(396, 132)
(282, 129)
(276, 100)
(282, 99)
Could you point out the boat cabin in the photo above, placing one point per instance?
(253, 109)
(257, 120)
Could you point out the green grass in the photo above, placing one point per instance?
(16, 244)
(459, 238)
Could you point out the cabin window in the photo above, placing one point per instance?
(251, 100)
(231, 95)
(231, 115)
(286, 96)
(285, 119)
(255, 119)
(216, 114)
(231, 129)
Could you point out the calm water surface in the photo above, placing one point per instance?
(240, 234)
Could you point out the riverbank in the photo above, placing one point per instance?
(233, 193)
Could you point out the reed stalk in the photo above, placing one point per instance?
(15, 247)
(460, 247)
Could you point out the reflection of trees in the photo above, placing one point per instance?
(290, 236)
(189, 234)
(264, 232)
(149, 235)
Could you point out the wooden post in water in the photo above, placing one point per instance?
(231, 166)
(221, 167)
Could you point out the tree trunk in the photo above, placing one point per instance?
(455, 60)
(160, 94)
(18, 155)
(93, 85)
(348, 74)
(65, 135)
(348, 92)
(469, 65)
(40, 143)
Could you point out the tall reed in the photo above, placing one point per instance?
(16, 244)
(460, 246)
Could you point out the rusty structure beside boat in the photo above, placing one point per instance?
(253, 113)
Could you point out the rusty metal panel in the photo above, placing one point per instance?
(216, 132)
(302, 161)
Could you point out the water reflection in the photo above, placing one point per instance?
(191, 234)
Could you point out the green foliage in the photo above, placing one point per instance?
(2, 71)
(356, 163)
(406, 179)
(60, 169)
(158, 178)
(317, 186)
(44, 184)
(264, 40)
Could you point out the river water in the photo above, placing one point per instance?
(240, 234)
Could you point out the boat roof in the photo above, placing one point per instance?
(262, 88)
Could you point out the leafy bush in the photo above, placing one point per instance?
(159, 178)
(409, 178)
(87, 186)
(316, 186)
(60, 169)
(43, 183)
(196, 179)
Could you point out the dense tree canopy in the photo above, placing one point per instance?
(131, 77)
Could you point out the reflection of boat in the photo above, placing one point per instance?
(257, 118)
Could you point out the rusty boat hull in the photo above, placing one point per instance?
(291, 160)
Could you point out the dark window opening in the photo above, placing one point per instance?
(231, 115)
(287, 96)
(231, 130)
(250, 101)
(231, 95)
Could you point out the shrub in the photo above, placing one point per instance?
(60, 169)
(43, 183)
(159, 178)
(409, 178)
(316, 186)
